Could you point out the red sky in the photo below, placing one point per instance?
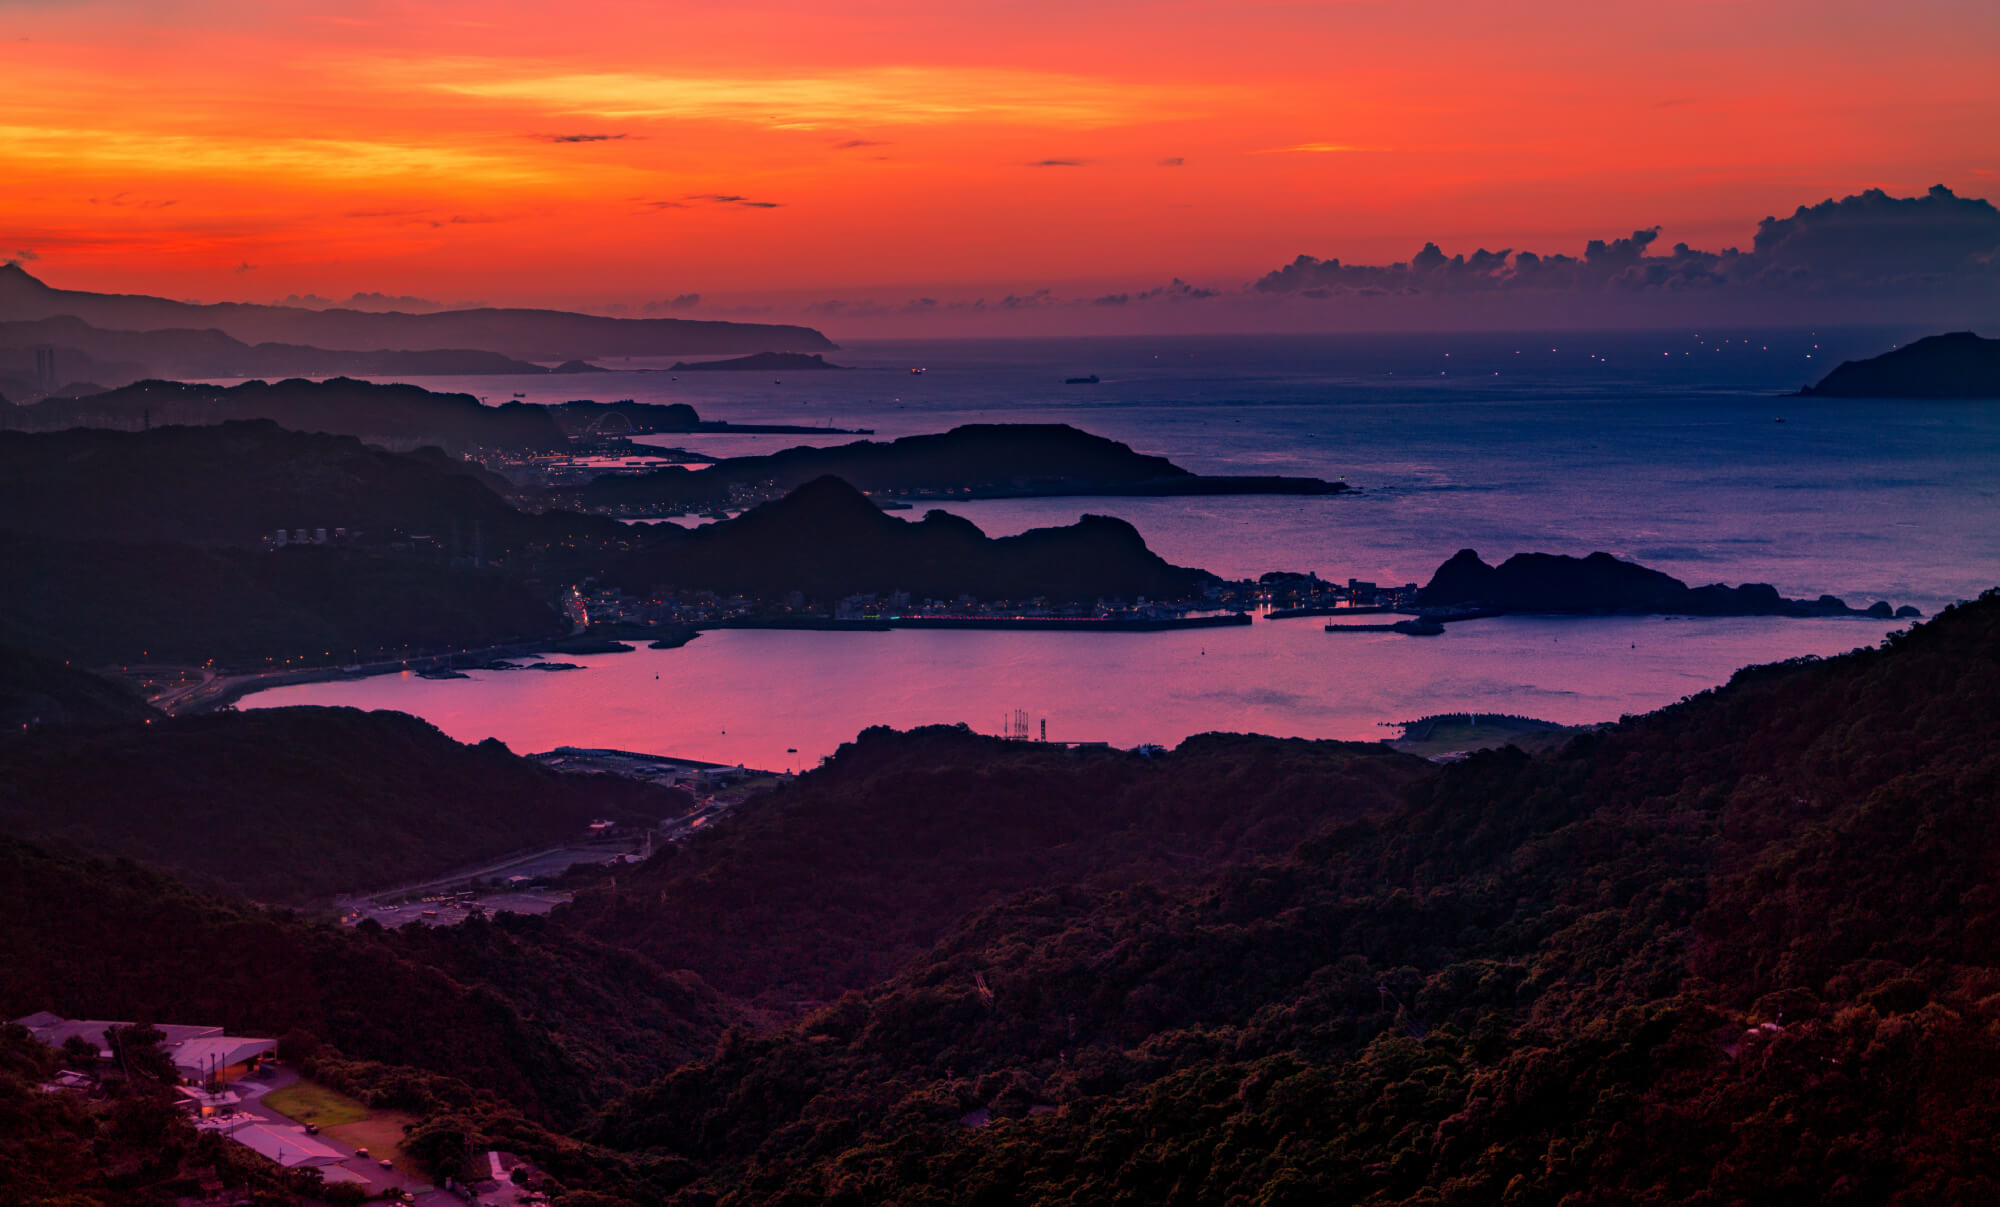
(223, 149)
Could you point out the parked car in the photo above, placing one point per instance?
(360, 1152)
(312, 1129)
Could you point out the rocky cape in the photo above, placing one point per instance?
(1601, 584)
(1957, 365)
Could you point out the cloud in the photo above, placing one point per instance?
(1029, 301)
(860, 98)
(684, 301)
(1057, 163)
(1175, 290)
(559, 138)
(1317, 148)
(1173, 161)
(125, 200)
(724, 199)
(853, 143)
(246, 266)
(22, 254)
(1870, 244)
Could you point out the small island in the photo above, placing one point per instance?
(1465, 586)
(1957, 365)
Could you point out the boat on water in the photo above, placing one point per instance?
(917, 372)
(1081, 381)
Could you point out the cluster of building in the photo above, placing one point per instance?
(205, 1057)
(284, 538)
(1281, 590)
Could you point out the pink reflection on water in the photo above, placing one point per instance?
(784, 700)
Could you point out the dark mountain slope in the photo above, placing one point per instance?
(303, 606)
(293, 804)
(37, 690)
(838, 879)
(1541, 980)
(493, 1009)
(236, 483)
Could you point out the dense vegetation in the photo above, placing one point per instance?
(1539, 980)
(835, 881)
(293, 804)
(37, 690)
(128, 1147)
(110, 602)
(506, 1014)
(1742, 950)
(827, 540)
(980, 460)
(237, 483)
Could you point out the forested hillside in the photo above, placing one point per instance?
(1745, 950)
(1739, 951)
(290, 805)
(837, 880)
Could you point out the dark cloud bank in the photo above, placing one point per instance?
(1869, 247)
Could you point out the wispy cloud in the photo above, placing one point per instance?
(1318, 148)
(1057, 163)
(854, 143)
(872, 96)
(560, 138)
(1173, 161)
(728, 199)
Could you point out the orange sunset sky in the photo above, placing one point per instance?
(591, 153)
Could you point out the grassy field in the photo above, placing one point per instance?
(310, 1103)
(381, 1133)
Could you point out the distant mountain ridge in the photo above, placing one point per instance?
(1955, 365)
(529, 334)
(83, 353)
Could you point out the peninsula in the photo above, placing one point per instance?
(759, 362)
(1957, 365)
(394, 415)
(975, 461)
(536, 335)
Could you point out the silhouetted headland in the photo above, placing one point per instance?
(1603, 584)
(760, 362)
(975, 461)
(1957, 365)
(537, 335)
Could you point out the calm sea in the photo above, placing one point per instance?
(1677, 449)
